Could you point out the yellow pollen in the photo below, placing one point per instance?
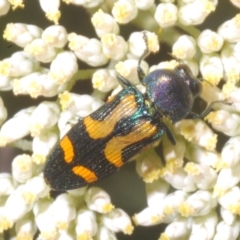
(54, 16)
(185, 209)
(65, 99)
(16, 4)
(237, 20)
(164, 236)
(192, 168)
(5, 68)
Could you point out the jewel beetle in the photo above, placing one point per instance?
(99, 144)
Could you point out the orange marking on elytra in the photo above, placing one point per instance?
(85, 173)
(67, 148)
(100, 129)
(114, 147)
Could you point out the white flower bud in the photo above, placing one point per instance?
(55, 36)
(45, 116)
(6, 184)
(79, 195)
(234, 96)
(4, 7)
(148, 166)
(124, 11)
(87, 3)
(34, 189)
(173, 154)
(25, 227)
(19, 64)
(63, 211)
(144, 4)
(86, 225)
(22, 168)
(227, 216)
(235, 3)
(202, 175)
(230, 200)
(81, 105)
(210, 93)
(104, 80)
(16, 127)
(178, 229)
(166, 65)
(227, 178)
(15, 208)
(98, 200)
(230, 63)
(230, 29)
(41, 51)
(188, 14)
(156, 192)
(63, 67)
(66, 235)
(42, 145)
(193, 65)
(227, 232)
(198, 204)
(104, 233)
(180, 180)
(166, 14)
(38, 84)
(118, 221)
(184, 47)
(148, 217)
(21, 34)
(210, 41)
(128, 69)
(66, 121)
(204, 226)
(211, 68)
(5, 83)
(236, 50)
(224, 121)
(117, 90)
(3, 111)
(137, 45)
(172, 202)
(87, 50)
(200, 155)
(114, 46)
(44, 219)
(49, 87)
(198, 132)
(51, 9)
(104, 23)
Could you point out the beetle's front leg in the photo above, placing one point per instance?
(194, 115)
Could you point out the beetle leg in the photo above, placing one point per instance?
(169, 134)
(123, 81)
(206, 111)
(140, 72)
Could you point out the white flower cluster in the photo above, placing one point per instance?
(195, 189)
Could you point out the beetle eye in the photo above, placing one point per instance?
(193, 83)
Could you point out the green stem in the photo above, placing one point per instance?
(23, 144)
(84, 74)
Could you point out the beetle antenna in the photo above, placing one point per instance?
(176, 58)
(141, 74)
(202, 79)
